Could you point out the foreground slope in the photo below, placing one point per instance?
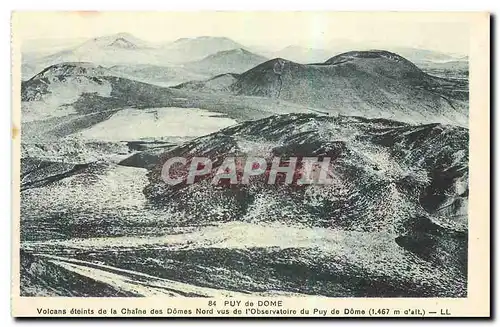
(392, 180)
(303, 55)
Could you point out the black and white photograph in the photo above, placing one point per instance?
(230, 154)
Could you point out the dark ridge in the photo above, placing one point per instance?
(200, 85)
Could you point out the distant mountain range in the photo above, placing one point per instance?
(360, 149)
(202, 55)
(110, 50)
(228, 61)
(367, 83)
(392, 224)
(157, 75)
(198, 52)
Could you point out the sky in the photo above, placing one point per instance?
(272, 30)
